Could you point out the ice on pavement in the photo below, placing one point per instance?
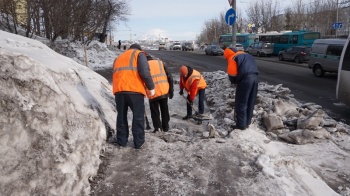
(56, 115)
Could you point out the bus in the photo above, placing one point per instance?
(285, 40)
(343, 81)
(225, 40)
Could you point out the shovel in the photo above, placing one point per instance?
(198, 116)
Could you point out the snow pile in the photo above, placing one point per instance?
(276, 112)
(98, 56)
(54, 119)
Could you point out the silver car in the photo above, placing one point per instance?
(239, 47)
(260, 49)
(213, 50)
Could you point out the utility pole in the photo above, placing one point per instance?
(234, 26)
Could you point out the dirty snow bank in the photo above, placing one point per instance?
(95, 56)
(54, 119)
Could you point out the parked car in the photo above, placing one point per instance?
(239, 47)
(297, 54)
(260, 48)
(175, 46)
(325, 56)
(213, 50)
(187, 46)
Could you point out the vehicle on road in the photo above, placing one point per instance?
(176, 46)
(297, 54)
(343, 81)
(187, 46)
(213, 50)
(239, 47)
(260, 49)
(325, 56)
(285, 40)
(162, 46)
(225, 40)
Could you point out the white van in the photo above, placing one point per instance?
(343, 83)
(325, 55)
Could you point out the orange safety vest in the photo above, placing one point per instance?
(195, 76)
(125, 74)
(159, 78)
(232, 68)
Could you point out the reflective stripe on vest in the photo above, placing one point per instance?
(159, 78)
(125, 74)
(127, 67)
(195, 76)
(232, 68)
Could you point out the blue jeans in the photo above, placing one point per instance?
(246, 92)
(201, 97)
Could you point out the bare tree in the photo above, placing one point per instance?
(212, 29)
(254, 15)
(72, 19)
(112, 10)
(9, 14)
(299, 15)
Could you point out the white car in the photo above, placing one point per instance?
(176, 46)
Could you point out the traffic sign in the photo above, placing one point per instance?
(230, 16)
(337, 25)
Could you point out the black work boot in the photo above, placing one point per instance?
(157, 130)
(187, 117)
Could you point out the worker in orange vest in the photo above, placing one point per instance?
(243, 73)
(194, 83)
(164, 86)
(131, 76)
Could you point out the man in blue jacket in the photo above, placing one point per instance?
(243, 73)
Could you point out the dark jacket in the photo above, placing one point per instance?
(246, 65)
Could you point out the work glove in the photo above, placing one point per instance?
(171, 94)
(152, 92)
(181, 92)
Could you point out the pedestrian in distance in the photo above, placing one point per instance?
(164, 86)
(243, 73)
(194, 84)
(131, 77)
(119, 44)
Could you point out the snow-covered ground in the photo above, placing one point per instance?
(56, 115)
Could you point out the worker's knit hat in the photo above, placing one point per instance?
(135, 46)
(183, 70)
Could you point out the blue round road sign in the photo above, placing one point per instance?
(230, 16)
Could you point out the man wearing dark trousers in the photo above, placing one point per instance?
(164, 87)
(243, 73)
(131, 74)
(194, 83)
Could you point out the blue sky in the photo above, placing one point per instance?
(177, 19)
